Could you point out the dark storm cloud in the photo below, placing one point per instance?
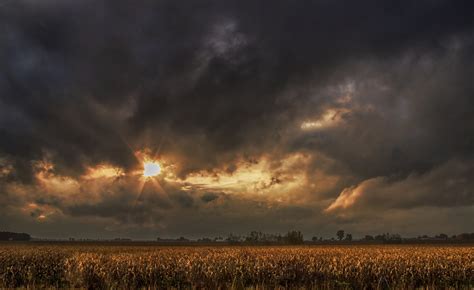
(44, 107)
(215, 73)
(207, 83)
(406, 115)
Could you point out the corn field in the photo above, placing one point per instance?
(304, 267)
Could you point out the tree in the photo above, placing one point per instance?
(233, 238)
(442, 236)
(294, 237)
(340, 234)
(314, 239)
(380, 237)
(348, 237)
(254, 237)
(395, 237)
(369, 238)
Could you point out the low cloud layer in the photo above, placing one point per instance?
(265, 115)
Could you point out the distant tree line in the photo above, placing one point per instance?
(296, 237)
(9, 236)
(388, 238)
(292, 237)
(254, 237)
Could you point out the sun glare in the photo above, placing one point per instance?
(151, 169)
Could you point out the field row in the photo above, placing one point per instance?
(236, 267)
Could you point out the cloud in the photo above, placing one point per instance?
(220, 76)
(303, 106)
(448, 185)
(209, 197)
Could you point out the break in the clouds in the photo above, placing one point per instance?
(260, 115)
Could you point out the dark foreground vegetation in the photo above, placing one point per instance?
(98, 266)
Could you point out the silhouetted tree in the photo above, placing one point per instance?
(233, 238)
(254, 237)
(368, 238)
(340, 235)
(348, 237)
(294, 237)
(442, 236)
(395, 237)
(380, 237)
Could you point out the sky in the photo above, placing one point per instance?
(246, 114)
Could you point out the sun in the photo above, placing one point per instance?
(151, 169)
